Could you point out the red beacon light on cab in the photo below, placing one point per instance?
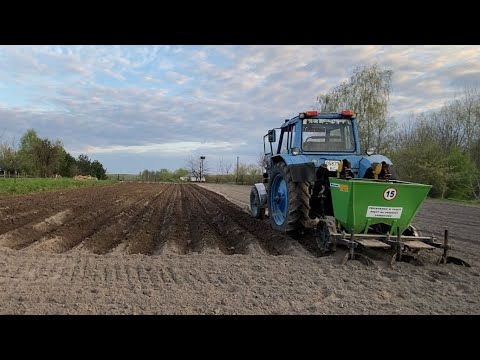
(308, 114)
(347, 113)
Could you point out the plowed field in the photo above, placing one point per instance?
(184, 249)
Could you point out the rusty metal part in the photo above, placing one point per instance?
(408, 258)
(352, 255)
(405, 248)
(418, 245)
(372, 243)
(360, 257)
(445, 258)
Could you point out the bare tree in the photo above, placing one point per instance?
(224, 167)
(470, 101)
(196, 167)
(262, 161)
(461, 119)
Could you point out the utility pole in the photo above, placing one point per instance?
(201, 167)
(236, 180)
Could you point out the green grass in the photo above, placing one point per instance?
(24, 186)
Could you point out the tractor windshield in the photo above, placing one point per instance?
(326, 135)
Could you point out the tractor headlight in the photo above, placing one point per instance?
(295, 151)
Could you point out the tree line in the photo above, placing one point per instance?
(162, 175)
(42, 157)
(245, 174)
(240, 173)
(440, 148)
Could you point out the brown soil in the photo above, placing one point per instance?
(136, 248)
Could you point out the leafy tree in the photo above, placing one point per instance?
(164, 175)
(47, 156)
(367, 94)
(461, 175)
(97, 170)
(475, 152)
(8, 158)
(179, 173)
(26, 153)
(68, 165)
(84, 165)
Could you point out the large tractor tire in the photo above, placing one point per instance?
(288, 202)
(256, 208)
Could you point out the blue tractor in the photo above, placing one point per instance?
(311, 148)
(317, 179)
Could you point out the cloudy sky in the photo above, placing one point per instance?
(152, 107)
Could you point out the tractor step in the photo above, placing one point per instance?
(417, 245)
(372, 243)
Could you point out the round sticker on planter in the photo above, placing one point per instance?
(390, 194)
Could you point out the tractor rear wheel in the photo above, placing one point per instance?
(288, 202)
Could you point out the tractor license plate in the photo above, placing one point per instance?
(332, 165)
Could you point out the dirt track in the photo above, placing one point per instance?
(182, 249)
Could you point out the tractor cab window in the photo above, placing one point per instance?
(286, 140)
(325, 135)
(284, 147)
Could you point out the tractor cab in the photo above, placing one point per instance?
(317, 138)
(327, 135)
(311, 131)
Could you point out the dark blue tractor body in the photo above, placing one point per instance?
(327, 150)
(300, 156)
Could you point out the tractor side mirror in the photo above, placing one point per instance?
(272, 136)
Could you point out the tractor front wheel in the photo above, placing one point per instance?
(256, 207)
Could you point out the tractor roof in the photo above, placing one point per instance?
(345, 114)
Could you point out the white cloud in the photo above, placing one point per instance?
(177, 77)
(167, 99)
(165, 148)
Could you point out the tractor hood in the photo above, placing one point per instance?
(360, 164)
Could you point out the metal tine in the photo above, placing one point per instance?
(445, 258)
(352, 255)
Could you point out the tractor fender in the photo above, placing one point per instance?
(303, 172)
(290, 159)
(367, 161)
(301, 167)
(262, 193)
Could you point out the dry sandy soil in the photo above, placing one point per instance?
(183, 249)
